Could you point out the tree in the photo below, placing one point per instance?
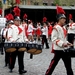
(56, 2)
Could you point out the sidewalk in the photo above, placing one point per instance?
(36, 66)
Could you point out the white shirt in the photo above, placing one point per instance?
(13, 33)
(30, 29)
(16, 34)
(58, 37)
(71, 28)
(45, 31)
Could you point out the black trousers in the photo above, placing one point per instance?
(20, 56)
(66, 59)
(70, 38)
(44, 40)
(7, 56)
(2, 47)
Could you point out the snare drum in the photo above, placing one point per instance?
(21, 46)
(39, 49)
(70, 52)
(31, 48)
(9, 47)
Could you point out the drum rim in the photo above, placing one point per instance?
(40, 51)
(9, 50)
(22, 48)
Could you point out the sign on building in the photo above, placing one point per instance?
(2, 21)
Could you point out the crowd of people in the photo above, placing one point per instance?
(24, 31)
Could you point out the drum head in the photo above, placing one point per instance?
(37, 52)
(22, 49)
(10, 49)
(31, 51)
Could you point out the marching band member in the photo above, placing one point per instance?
(49, 30)
(7, 54)
(9, 22)
(3, 39)
(1, 33)
(30, 31)
(45, 33)
(71, 30)
(59, 42)
(38, 31)
(25, 24)
(15, 34)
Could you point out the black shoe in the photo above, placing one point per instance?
(47, 48)
(10, 71)
(5, 65)
(22, 71)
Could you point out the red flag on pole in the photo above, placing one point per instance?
(17, 1)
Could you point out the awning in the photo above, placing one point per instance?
(46, 7)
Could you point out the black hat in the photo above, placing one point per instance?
(60, 16)
(17, 18)
(10, 22)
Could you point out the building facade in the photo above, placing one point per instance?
(10, 3)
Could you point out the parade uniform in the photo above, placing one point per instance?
(38, 31)
(60, 45)
(71, 33)
(7, 55)
(30, 32)
(49, 30)
(45, 36)
(2, 40)
(25, 28)
(58, 38)
(30, 29)
(16, 34)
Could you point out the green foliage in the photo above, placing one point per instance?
(0, 4)
(56, 2)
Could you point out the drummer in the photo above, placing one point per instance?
(15, 34)
(7, 55)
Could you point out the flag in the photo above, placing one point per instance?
(17, 1)
(4, 1)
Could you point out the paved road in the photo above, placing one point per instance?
(36, 66)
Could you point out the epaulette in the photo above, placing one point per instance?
(55, 27)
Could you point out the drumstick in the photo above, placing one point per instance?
(17, 39)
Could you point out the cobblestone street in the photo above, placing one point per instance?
(36, 66)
